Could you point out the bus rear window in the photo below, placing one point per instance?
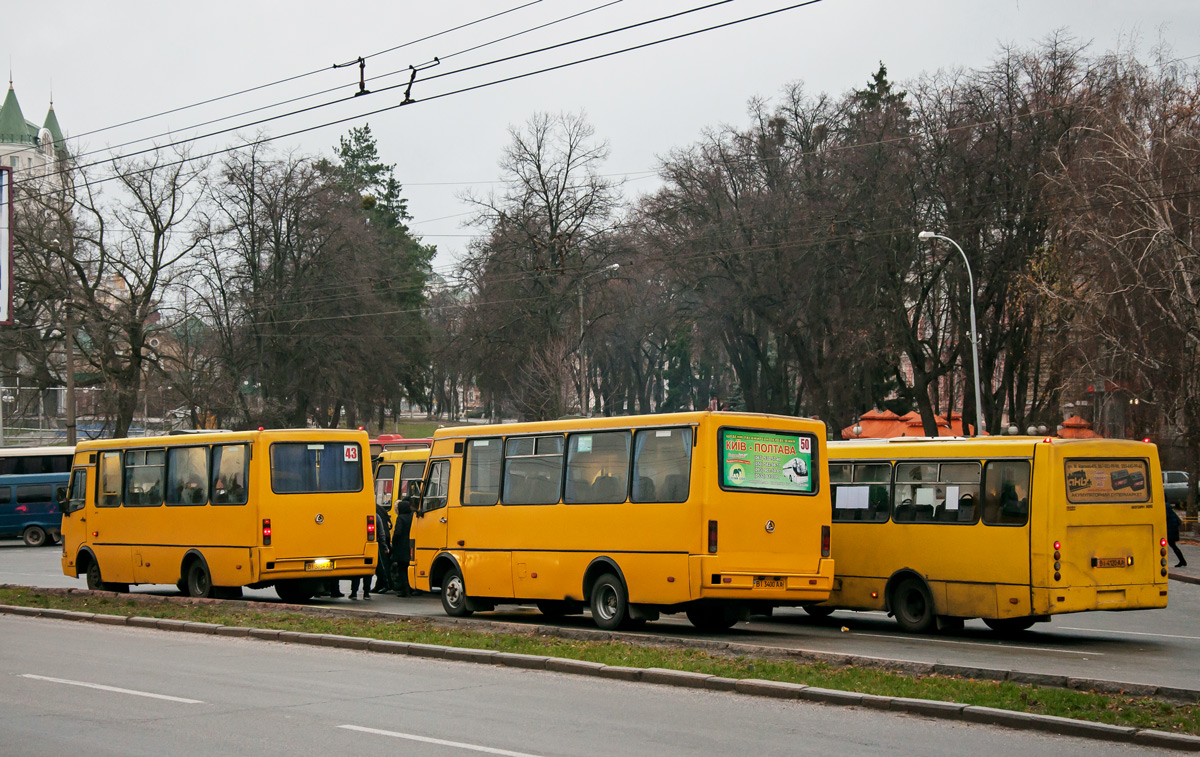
(305, 468)
(1094, 482)
(767, 461)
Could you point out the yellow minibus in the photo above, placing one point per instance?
(214, 512)
(711, 514)
(395, 473)
(1011, 530)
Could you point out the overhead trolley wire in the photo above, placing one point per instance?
(462, 90)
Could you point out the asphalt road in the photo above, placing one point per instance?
(76, 688)
(1158, 647)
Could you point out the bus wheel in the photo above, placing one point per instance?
(610, 604)
(199, 582)
(454, 594)
(818, 611)
(1009, 625)
(95, 581)
(294, 592)
(35, 536)
(712, 618)
(912, 606)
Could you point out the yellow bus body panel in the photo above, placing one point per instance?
(542, 552)
(982, 571)
(147, 545)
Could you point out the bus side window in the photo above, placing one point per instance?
(1006, 493)
(229, 485)
(77, 497)
(187, 476)
(481, 481)
(597, 468)
(662, 465)
(385, 476)
(436, 487)
(110, 480)
(144, 475)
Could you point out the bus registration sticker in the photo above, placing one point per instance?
(767, 460)
(769, 583)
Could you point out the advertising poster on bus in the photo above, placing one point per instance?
(766, 460)
(1107, 481)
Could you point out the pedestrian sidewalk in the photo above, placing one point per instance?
(1191, 552)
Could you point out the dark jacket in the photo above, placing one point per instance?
(1172, 525)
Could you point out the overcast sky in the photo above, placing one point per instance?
(115, 61)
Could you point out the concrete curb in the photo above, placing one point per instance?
(1180, 577)
(663, 677)
(732, 648)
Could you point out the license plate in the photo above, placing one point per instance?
(1111, 562)
(319, 565)
(768, 583)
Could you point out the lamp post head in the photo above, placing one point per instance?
(613, 267)
(926, 235)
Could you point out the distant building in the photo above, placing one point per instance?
(30, 149)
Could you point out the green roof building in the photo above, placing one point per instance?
(25, 145)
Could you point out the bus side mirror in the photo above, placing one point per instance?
(60, 494)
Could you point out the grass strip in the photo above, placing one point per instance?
(1116, 709)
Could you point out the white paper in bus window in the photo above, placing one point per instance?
(924, 496)
(585, 444)
(663, 433)
(316, 446)
(951, 497)
(853, 497)
(481, 442)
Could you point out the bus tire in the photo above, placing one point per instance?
(912, 606)
(34, 536)
(818, 611)
(199, 582)
(95, 581)
(454, 594)
(610, 603)
(1009, 625)
(295, 592)
(712, 617)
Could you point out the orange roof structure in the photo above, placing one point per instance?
(884, 424)
(1077, 428)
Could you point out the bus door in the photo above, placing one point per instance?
(105, 521)
(74, 520)
(429, 523)
(317, 491)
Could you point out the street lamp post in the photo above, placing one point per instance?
(927, 235)
(585, 392)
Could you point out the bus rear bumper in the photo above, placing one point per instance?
(316, 568)
(777, 588)
(1066, 599)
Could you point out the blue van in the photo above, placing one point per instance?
(29, 507)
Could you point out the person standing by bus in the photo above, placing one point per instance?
(1173, 534)
(400, 551)
(383, 570)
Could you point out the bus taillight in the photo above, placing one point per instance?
(370, 528)
(266, 532)
(1162, 543)
(712, 536)
(824, 541)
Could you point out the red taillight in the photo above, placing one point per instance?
(370, 528)
(1162, 542)
(266, 532)
(1057, 545)
(824, 541)
(712, 536)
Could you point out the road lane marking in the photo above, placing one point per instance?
(1129, 633)
(439, 742)
(113, 689)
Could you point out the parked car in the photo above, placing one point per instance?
(1175, 486)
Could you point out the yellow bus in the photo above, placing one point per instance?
(1011, 530)
(711, 514)
(395, 473)
(212, 513)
